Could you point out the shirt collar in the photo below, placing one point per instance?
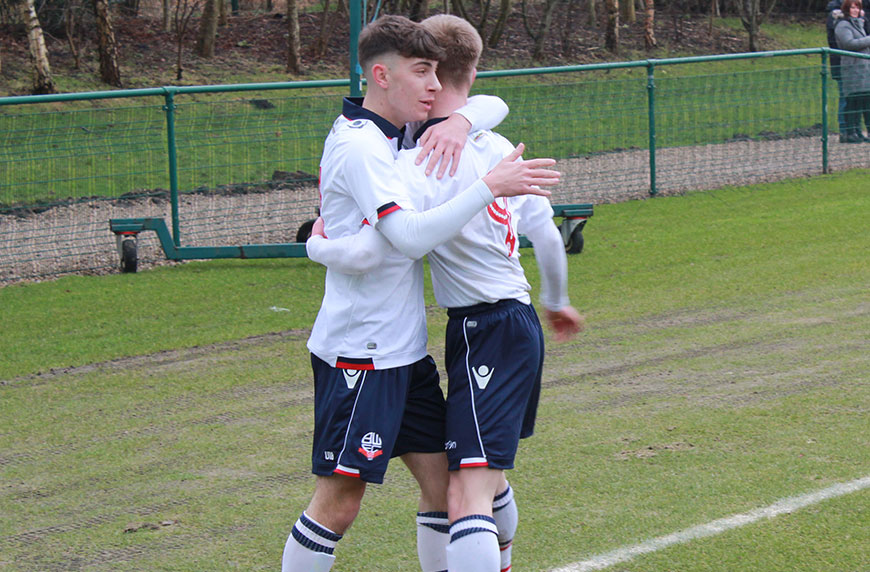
(352, 109)
(429, 123)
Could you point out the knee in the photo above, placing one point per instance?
(471, 491)
(336, 507)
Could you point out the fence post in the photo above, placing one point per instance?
(169, 108)
(825, 112)
(651, 100)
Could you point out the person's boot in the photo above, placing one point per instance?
(853, 135)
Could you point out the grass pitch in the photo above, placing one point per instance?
(162, 421)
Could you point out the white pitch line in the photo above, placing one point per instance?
(784, 506)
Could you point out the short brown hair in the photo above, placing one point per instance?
(391, 34)
(847, 5)
(462, 46)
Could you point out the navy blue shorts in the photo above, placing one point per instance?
(495, 355)
(362, 418)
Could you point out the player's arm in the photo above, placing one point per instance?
(446, 140)
(355, 254)
(416, 233)
(536, 222)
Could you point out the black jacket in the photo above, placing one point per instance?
(834, 16)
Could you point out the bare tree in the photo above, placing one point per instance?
(626, 12)
(207, 32)
(504, 10)
(110, 73)
(593, 16)
(294, 59)
(418, 10)
(223, 19)
(167, 20)
(69, 28)
(460, 10)
(753, 13)
(325, 29)
(540, 33)
(649, 36)
(611, 31)
(42, 80)
(184, 10)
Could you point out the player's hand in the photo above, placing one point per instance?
(445, 141)
(516, 176)
(317, 228)
(565, 323)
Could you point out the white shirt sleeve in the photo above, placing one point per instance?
(415, 233)
(484, 111)
(536, 222)
(355, 254)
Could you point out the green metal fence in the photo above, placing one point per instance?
(232, 165)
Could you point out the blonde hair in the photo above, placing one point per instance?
(462, 47)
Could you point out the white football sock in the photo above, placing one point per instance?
(504, 511)
(309, 547)
(473, 545)
(433, 536)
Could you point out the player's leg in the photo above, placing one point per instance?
(473, 532)
(506, 515)
(357, 416)
(433, 526)
(421, 446)
(330, 513)
(494, 361)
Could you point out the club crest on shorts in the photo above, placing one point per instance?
(482, 375)
(370, 445)
(351, 376)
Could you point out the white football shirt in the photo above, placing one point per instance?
(481, 263)
(374, 320)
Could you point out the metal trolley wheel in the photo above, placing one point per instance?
(127, 247)
(572, 234)
(304, 232)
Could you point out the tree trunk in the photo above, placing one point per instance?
(752, 14)
(167, 22)
(184, 10)
(418, 10)
(611, 32)
(205, 37)
(593, 13)
(130, 8)
(544, 29)
(323, 35)
(109, 71)
(503, 13)
(223, 20)
(42, 81)
(626, 12)
(294, 60)
(749, 19)
(69, 27)
(649, 36)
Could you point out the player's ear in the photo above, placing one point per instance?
(379, 75)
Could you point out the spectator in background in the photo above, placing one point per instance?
(835, 14)
(851, 35)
